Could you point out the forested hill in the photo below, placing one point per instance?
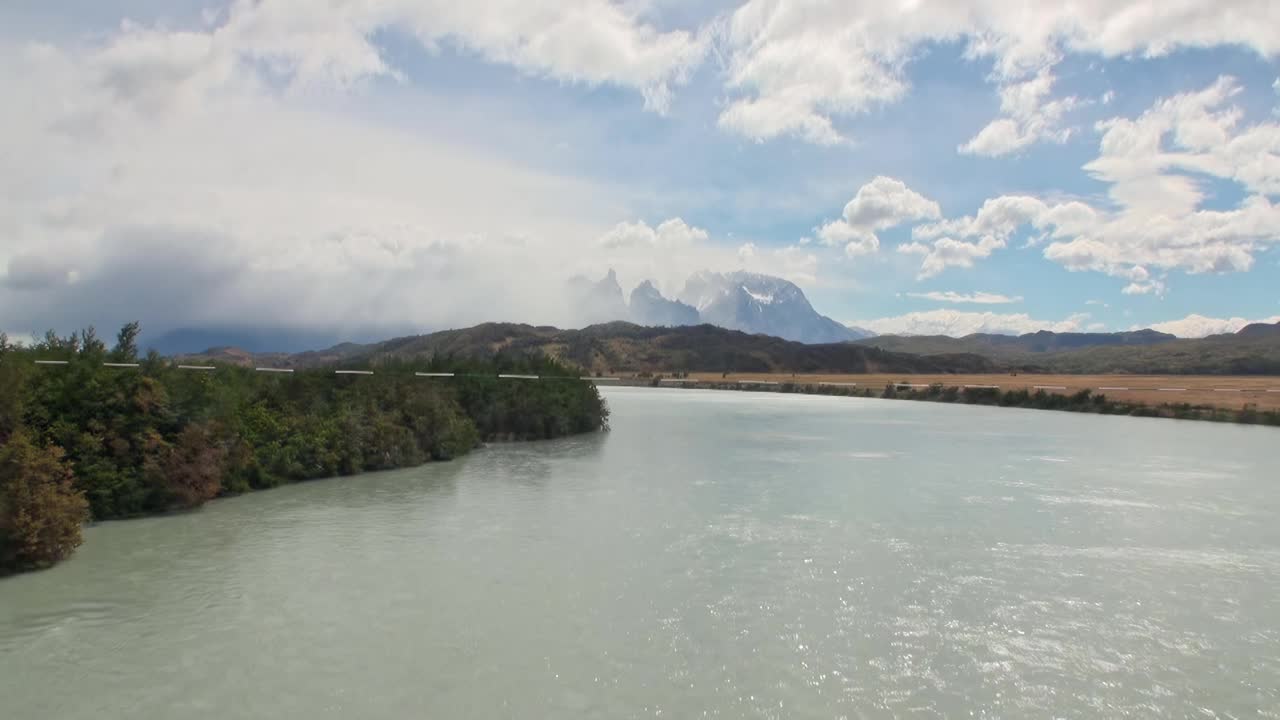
(1255, 350)
(83, 440)
(622, 347)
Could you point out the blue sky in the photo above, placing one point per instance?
(429, 164)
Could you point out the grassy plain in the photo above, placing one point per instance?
(1216, 390)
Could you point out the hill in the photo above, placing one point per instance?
(1255, 350)
(1008, 346)
(621, 347)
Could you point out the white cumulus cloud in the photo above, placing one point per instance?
(795, 66)
(673, 233)
(975, 298)
(1028, 117)
(1155, 223)
(958, 323)
(880, 204)
(1198, 326)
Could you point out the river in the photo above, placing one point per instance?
(718, 554)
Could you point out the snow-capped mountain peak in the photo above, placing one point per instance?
(757, 303)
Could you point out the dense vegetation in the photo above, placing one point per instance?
(86, 441)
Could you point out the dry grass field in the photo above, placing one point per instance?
(1217, 391)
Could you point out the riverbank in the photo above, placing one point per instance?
(92, 434)
(1225, 391)
(1043, 398)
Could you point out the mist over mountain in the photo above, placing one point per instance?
(261, 339)
(649, 307)
(600, 301)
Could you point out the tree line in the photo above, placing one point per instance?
(82, 441)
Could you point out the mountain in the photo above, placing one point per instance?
(649, 307)
(1255, 350)
(1007, 346)
(621, 347)
(761, 304)
(1260, 330)
(255, 339)
(599, 301)
(752, 303)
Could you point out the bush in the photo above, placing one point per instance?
(40, 509)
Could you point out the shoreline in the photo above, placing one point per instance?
(1083, 401)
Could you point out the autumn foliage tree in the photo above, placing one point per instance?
(189, 471)
(41, 511)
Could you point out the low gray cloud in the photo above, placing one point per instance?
(28, 272)
(162, 275)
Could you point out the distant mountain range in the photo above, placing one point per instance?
(1005, 346)
(749, 302)
(621, 347)
(257, 339)
(1254, 350)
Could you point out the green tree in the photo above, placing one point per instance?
(126, 349)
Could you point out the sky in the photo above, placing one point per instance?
(916, 166)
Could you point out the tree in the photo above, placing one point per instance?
(90, 344)
(40, 510)
(190, 471)
(126, 349)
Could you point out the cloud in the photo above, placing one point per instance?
(1197, 326)
(37, 272)
(958, 323)
(668, 253)
(795, 67)
(1028, 118)
(1160, 223)
(163, 174)
(193, 177)
(19, 338)
(673, 233)
(1156, 223)
(963, 241)
(588, 42)
(977, 298)
(880, 204)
